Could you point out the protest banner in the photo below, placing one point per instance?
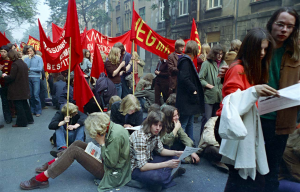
(34, 43)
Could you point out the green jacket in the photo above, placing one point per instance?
(169, 139)
(209, 75)
(116, 158)
(140, 67)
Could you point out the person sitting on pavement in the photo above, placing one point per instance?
(170, 101)
(153, 170)
(175, 138)
(62, 100)
(57, 90)
(114, 171)
(145, 82)
(146, 97)
(127, 112)
(112, 100)
(209, 147)
(75, 122)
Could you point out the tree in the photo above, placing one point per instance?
(167, 15)
(33, 31)
(17, 11)
(89, 11)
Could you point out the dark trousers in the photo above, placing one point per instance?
(160, 177)
(125, 88)
(275, 146)
(163, 88)
(237, 184)
(6, 105)
(24, 115)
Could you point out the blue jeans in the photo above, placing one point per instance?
(35, 102)
(119, 89)
(61, 133)
(187, 123)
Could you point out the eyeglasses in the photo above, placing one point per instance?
(282, 25)
(220, 54)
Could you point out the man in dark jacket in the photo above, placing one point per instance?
(189, 98)
(57, 90)
(75, 127)
(161, 81)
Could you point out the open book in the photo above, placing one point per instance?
(94, 151)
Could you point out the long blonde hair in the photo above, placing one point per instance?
(130, 102)
(205, 49)
(114, 56)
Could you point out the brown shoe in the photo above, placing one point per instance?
(42, 168)
(33, 184)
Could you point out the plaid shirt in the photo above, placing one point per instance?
(141, 147)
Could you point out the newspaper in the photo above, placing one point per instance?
(134, 128)
(94, 151)
(289, 97)
(187, 152)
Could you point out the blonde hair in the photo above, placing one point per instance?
(205, 49)
(103, 56)
(136, 55)
(113, 99)
(72, 109)
(235, 45)
(130, 102)
(113, 56)
(96, 123)
(179, 43)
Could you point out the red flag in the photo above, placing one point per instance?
(4, 33)
(81, 91)
(73, 33)
(34, 43)
(195, 37)
(98, 65)
(56, 32)
(83, 39)
(3, 40)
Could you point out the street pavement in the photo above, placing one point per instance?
(24, 149)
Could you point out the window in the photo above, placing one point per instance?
(183, 7)
(127, 20)
(214, 3)
(142, 13)
(119, 25)
(161, 11)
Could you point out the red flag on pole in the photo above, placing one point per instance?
(195, 37)
(81, 91)
(4, 33)
(73, 33)
(56, 32)
(98, 65)
(83, 39)
(3, 40)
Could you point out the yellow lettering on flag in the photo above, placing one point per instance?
(139, 30)
(153, 39)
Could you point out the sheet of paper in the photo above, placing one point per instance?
(289, 97)
(134, 128)
(187, 152)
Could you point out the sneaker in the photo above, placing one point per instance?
(180, 171)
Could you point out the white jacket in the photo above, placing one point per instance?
(246, 152)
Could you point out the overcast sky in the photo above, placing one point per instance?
(44, 14)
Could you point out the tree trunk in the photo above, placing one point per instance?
(167, 18)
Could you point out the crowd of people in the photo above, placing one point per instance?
(265, 158)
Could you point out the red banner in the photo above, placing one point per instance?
(55, 55)
(3, 40)
(105, 43)
(56, 32)
(34, 43)
(195, 37)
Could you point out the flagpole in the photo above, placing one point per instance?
(90, 80)
(97, 103)
(68, 94)
(133, 69)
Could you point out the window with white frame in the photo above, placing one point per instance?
(214, 3)
(118, 25)
(142, 13)
(183, 7)
(161, 11)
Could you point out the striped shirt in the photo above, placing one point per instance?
(141, 147)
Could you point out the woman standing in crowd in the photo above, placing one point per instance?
(138, 67)
(205, 49)
(234, 49)
(175, 138)
(153, 169)
(35, 65)
(114, 171)
(18, 89)
(211, 82)
(247, 71)
(127, 112)
(86, 64)
(115, 69)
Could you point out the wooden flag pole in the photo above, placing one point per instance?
(97, 103)
(90, 80)
(68, 94)
(133, 69)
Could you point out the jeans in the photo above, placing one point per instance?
(187, 123)
(35, 102)
(43, 92)
(6, 105)
(61, 133)
(119, 89)
(125, 88)
(210, 111)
